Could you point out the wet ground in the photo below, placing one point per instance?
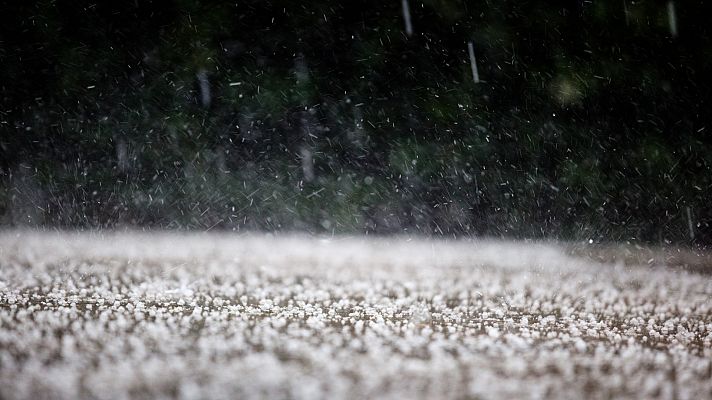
(158, 315)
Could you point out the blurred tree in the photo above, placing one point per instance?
(589, 121)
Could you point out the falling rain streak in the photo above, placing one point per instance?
(204, 83)
(672, 18)
(473, 62)
(690, 223)
(406, 18)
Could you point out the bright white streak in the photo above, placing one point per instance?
(672, 18)
(690, 224)
(473, 62)
(204, 85)
(406, 17)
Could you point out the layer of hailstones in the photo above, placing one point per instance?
(139, 315)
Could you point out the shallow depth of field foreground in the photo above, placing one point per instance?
(139, 315)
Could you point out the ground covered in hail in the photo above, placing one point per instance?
(161, 315)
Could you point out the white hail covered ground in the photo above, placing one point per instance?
(160, 315)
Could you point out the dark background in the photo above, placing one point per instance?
(591, 120)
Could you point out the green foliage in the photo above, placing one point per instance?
(590, 120)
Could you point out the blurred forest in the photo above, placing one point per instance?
(590, 120)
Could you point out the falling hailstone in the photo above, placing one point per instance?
(307, 164)
(672, 18)
(204, 84)
(406, 17)
(473, 62)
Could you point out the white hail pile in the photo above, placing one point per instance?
(138, 315)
